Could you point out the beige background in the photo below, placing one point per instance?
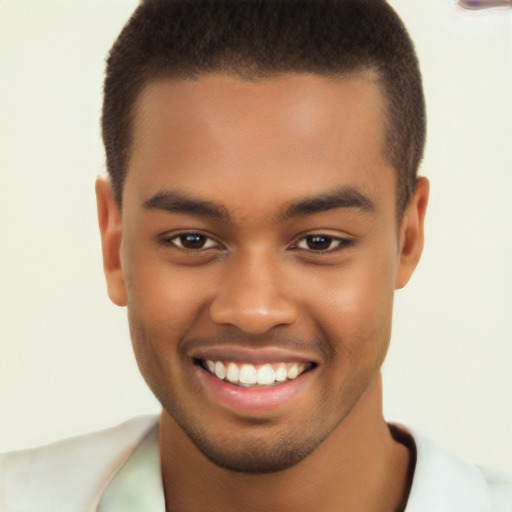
(66, 364)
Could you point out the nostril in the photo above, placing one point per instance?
(253, 314)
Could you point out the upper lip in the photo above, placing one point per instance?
(261, 355)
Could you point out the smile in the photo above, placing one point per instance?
(255, 375)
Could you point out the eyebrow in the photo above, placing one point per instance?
(344, 197)
(177, 202)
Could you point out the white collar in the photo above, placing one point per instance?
(442, 480)
(137, 486)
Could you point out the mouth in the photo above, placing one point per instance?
(249, 375)
(248, 382)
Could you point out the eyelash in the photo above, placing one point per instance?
(171, 240)
(211, 243)
(339, 241)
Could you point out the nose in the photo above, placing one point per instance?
(251, 296)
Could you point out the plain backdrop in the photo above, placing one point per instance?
(66, 364)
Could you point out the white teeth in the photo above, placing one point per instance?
(280, 374)
(249, 375)
(293, 371)
(232, 373)
(220, 371)
(266, 375)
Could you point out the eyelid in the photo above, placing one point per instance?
(169, 239)
(342, 242)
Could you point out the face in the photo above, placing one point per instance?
(258, 252)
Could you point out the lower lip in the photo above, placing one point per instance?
(251, 400)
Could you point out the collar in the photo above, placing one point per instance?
(442, 480)
(138, 484)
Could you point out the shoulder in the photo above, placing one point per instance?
(70, 474)
(445, 481)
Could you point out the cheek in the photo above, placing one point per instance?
(356, 308)
(162, 306)
(164, 298)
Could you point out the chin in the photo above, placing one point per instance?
(258, 455)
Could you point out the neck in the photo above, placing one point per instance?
(358, 467)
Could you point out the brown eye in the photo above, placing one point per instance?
(192, 241)
(322, 243)
(319, 242)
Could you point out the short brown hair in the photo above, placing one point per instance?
(264, 38)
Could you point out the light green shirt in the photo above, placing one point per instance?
(118, 470)
(137, 486)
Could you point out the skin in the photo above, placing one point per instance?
(256, 151)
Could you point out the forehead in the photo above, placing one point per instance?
(221, 135)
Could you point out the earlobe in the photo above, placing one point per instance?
(412, 233)
(109, 220)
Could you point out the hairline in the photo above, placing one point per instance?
(257, 76)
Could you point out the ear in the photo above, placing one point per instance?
(109, 219)
(412, 233)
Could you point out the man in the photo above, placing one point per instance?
(262, 207)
